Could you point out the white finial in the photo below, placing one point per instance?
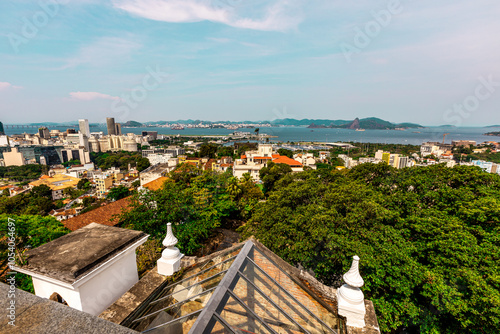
(350, 297)
(170, 259)
(352, 277)
(170, 240)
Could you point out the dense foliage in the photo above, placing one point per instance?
(30, 232)
(428, 238)
(22, 173)
(38, 201)
(493, 157)
(195, 202)
(208, 150)
(72, 163)
(285, 152)
(121, 160)
(117, 193)
(272, 173)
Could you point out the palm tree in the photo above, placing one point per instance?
(246, 177)
(233, 188)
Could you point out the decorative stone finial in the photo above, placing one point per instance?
(170, 259)
(350, 297)
(352, 277)
(170, 240)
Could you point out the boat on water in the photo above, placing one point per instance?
(177, 127)
(360, 129)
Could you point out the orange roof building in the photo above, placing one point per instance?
(102, 215)
(286, 160)
(156, 184)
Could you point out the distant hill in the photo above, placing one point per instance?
(371, 123)
(306, 122)
(492, 126)
(132, 124)
(492, 133)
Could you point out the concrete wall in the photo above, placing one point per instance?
(109, 285)
(105, 286)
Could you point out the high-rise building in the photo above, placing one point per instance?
(44, 132)
(110, 122)
(118, 129)
(2, 131)
(84, 127)
(83, 141)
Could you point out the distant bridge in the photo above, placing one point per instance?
(29, 126)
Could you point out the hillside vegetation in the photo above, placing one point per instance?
(428, 238)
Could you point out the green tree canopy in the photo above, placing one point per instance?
(30, 232)
(117, 193)
(195, 202)
(428, 238)
(84, 184)
(272, 173)
(208, 150)
(285, 152)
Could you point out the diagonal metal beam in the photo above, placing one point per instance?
(172, 321)
(290, 318)
(251, 312)
(224, 323)
(199, 273)
(173, 305)
(190, 286)
(290, 295)
(220, 291)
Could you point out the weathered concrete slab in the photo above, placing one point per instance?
(71, 256)
(37, 315)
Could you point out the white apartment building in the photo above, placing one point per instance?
(253, 161)
(158, 158)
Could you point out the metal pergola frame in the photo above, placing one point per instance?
(224, 289)
(242, 269)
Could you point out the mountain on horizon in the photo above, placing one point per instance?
(370, 123)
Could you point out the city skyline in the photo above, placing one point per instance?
(153, 60)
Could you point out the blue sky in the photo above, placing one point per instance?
(415, 61)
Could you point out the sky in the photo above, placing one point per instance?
(426, 62)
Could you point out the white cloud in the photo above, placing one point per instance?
(7, 85)
(276, 17)
(219, 40)
(87, 96)
(105, 51)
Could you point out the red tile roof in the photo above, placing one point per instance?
(262, 158)
(286, 160)
(156, 184)
(100, 215)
